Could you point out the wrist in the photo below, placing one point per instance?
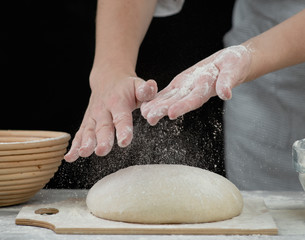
(110, 71)
(256, 62)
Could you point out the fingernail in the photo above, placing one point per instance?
(73, 156)
(127, 132)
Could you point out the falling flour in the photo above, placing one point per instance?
(195, 139)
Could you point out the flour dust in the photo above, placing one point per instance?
(196, 139)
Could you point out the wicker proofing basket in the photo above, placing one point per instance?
(28, 160)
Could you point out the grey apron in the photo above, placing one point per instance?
(265, 116)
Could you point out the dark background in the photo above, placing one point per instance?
(48, 52)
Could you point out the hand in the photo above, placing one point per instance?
(215, 75)
(112, 101)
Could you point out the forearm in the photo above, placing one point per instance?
(281, 46)
(120, 28)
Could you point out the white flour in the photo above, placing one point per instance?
(209, 70)
(212, 71)
(190, 82)
(238, 51)
(161, 111)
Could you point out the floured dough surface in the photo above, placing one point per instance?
(164, 193)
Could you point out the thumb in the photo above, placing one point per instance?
(224, 85)
(145, 90)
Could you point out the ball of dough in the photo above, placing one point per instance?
(161, 193)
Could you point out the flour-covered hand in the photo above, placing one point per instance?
(215, 75)
(110, 112)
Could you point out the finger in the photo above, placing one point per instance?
(73, 155)
(88, 143)
(202, 91)
(195, 99)
(160, 109)
(224, 85)
(156, 114)
(104, 134)
(159, 100)
(123, 124)
(145, 91)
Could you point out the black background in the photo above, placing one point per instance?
(48, 52)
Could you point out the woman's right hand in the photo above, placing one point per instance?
(116, 89)
(113, 98)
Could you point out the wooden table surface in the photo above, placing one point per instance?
(286, 208)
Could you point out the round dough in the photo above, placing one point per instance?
(162, 193)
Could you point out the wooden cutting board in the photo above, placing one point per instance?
(72, 217)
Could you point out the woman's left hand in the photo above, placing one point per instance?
(215, 75)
